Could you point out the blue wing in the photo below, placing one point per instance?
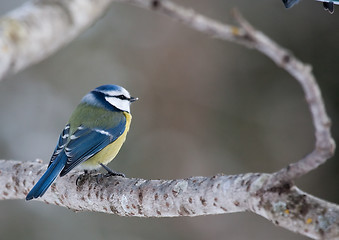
(86, 142)
(73, 150)
(63, 139)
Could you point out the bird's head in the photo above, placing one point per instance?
(110, 97)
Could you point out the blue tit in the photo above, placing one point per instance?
(92, 137)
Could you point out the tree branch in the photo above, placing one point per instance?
(24, 40)
(324, 145)
(286, 206)
(250, 37)
(39, 28)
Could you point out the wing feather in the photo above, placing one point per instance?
(63, 138)
(87, 142)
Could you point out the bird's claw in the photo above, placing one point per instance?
(84, 177)
(110, 172)
(81, 179)
(100, 177)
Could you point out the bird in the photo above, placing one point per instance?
(92, 137)
(327, 4)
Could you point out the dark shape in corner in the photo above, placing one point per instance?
(329, 6)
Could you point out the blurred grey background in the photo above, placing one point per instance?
(206, 106)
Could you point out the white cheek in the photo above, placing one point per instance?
(118, 103)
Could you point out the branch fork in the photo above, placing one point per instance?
(25, 41)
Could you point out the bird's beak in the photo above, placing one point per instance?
(133, 99)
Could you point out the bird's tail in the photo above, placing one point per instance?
(48, 178)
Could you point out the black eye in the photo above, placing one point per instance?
(122, 97)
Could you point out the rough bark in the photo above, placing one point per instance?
(25, 39)
(286, 205)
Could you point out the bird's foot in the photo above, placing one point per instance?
(91, 172)
(82, 178)
(110, 172)
(85, 176)
(99, 178)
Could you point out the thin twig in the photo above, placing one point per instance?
(23, 42)
(325, 145)
(248, 36)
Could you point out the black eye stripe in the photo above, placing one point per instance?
(122, 97)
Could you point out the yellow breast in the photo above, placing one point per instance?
(107, 154)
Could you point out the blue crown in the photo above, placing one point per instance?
(109, 87)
